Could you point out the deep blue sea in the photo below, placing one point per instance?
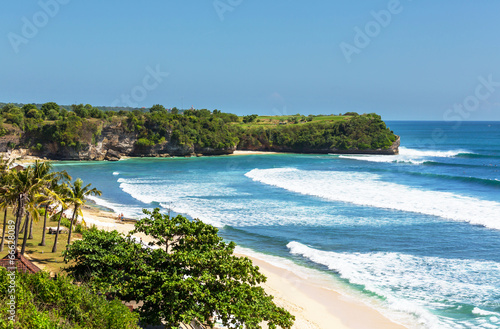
(417, 235)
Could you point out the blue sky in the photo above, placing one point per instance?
(418, 60)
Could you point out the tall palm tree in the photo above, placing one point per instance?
(4, 202)
(41, 177)
(26, 230)
(24, 189)
(43, 171)
(77, 199)
(52, 197)
(63, 192)
(19, 192)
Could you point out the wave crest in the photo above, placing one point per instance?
(369, 190)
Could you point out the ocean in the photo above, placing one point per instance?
(416, 235)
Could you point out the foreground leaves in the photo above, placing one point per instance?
(198, 278)
(44, 302)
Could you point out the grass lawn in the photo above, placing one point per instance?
(42, 256)
(267, 121)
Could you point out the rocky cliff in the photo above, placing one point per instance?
(114, 142)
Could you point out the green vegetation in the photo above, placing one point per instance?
(188, 274)
(43, 302)
(52, 262)
(194, 128)
(322, 133)
(51, 126)
(26, 191)
(198, 278)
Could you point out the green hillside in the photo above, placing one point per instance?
(54, 132)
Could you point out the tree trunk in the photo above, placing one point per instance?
(16, 229)
(4, 227)
(54, 248)
(31, 228)
(71, 225)
(44, 225)
(23, 225)
(25, 233)
(20, 214)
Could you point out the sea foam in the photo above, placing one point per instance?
(127, 211)
(407, 155)
(413, 284)
(368, 189)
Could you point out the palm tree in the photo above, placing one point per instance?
(77, 199)
(24, 190)
(53, 197)
(4, 204)
(43, 171)
(63, 192)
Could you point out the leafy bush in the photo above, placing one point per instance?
(3, 131)
(249, 118)
(144, 142)
(79, 228)
(45, 302)
(65, 222)
(53, 115)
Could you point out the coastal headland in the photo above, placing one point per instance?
(87, 133)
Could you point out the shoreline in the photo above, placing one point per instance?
(24, 156)
(314, 306)
(245, 152)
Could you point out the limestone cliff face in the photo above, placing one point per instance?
(6, 141)
(114, 142)
(111, 144)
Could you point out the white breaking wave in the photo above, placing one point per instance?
(369, 190)
(407, 155)
(479, 311)
(437, 154)
(216, 204)
(116, 173)
(412, 284)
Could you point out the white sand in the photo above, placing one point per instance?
(240, 152)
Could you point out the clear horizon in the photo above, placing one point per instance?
(405, 60)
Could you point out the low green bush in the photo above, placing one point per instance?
(43, 302)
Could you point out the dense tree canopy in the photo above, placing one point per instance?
(360, 132)
(195, 130)
(198, 278)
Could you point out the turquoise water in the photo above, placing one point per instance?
(419, 233)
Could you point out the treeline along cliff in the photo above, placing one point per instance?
(88, 133)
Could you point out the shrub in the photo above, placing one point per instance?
(144, 142)
(45, 302)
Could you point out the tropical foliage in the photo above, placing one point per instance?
(359, 132)
(195, 130)
(26, 191)
(188, 273)
(43, 302)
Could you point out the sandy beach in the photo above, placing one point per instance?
(314, 307)
(243, 152)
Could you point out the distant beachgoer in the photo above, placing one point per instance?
(121, 216)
